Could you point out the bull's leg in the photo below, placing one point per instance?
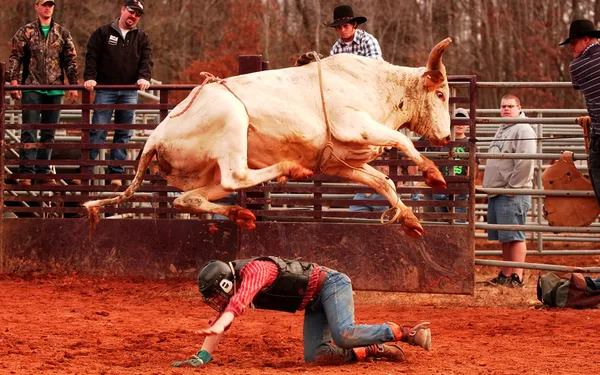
(198, 200)
(366, 131)
(370, 176)
(235, 173)
(232, 152)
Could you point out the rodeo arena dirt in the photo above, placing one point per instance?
(122, 298)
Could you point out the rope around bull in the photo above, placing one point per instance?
(329, 145)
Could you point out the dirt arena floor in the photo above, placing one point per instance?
(79, 324)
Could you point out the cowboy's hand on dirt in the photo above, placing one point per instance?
(201, 358)
(584, 121)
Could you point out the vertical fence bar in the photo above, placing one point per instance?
(473, 170)
(2, 155)
(86, 98)
(538, 179)
(250, 64)
(163, 113)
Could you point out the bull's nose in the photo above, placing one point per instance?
(447, 139)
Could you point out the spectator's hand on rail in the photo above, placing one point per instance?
(72, 95)
(15, 94)
(89, 84)
(143, 84)
(584, 121)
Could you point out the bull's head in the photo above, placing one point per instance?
(433, 118)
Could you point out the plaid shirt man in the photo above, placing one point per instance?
(363, 44)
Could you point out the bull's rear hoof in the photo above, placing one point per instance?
(243, 217)
(246, 224)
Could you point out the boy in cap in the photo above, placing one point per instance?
(585, 76)
(286, 285)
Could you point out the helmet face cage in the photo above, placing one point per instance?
(219, 298)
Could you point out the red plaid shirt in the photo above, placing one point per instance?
(259, 275)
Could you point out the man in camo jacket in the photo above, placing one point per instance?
(42, 52)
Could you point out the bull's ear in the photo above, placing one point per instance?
(432, 79)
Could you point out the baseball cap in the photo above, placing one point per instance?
(461, 112)
(37, 2)
(135, 4)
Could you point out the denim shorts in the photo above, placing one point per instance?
(503, 209)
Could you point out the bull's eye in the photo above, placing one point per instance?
(440, 95)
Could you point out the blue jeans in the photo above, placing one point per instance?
(594, 164)
(331, 317)
(31, 135)
(374, 196)
(103, 116)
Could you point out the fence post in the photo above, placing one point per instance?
(163, 113)
(473, 167)
(86, 98)
(2, 155)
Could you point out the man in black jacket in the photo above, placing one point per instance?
(117, 54)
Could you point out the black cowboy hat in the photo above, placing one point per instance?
(581, 28)
(344, 14)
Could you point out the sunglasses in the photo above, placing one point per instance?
(47, 4)
(133, 12)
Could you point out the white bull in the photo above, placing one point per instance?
(273, 124)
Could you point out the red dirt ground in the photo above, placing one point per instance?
(94, 325)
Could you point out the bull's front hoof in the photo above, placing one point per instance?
(243, 217)
(413, 230)
(411, 225)
(434, 179)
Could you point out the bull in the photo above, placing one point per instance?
(333, 116)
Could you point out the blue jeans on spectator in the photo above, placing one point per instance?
(331, 316)
(445, 197)
(49, 116)
(594, 164)
(103, 116)
(363, 196)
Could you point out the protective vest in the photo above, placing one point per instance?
(568, 211)
(287, 291)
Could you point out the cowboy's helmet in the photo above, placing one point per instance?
(216, 283)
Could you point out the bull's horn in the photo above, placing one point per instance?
(435, 57)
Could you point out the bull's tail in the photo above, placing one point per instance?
(93, 207)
